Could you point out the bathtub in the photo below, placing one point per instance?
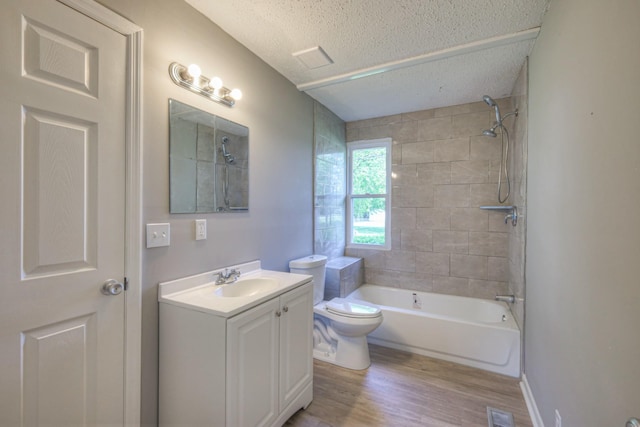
(471, 331)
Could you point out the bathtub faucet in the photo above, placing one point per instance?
(506, 298)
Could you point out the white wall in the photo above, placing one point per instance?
(583, 237)
(278, 226)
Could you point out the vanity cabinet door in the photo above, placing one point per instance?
(296, 343)
(252, 366)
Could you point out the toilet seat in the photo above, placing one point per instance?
(352, 308)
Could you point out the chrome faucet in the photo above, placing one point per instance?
(506, 298)
(227, 276)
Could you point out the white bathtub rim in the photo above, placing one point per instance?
(509, 324)
(440, 295)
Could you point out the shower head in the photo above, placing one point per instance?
(489, 100)
(228, 158)
(492, 132)
(492, 103)
(504, 161)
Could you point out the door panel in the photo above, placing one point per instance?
(56, 58)
(59, 203)
(54, 355)
(62, 180)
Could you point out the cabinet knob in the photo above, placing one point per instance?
(278, 313)
(285, 308)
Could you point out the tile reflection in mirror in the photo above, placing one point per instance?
(209, 162)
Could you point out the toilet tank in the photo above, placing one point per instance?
(313, 265)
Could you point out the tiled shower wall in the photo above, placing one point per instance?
(518, 169)
(329, 182)
(234, 175)
(443, 170)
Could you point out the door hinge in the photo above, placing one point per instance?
(126, 284)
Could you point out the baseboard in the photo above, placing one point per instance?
(536, 419)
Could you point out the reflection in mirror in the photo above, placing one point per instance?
(209, 162)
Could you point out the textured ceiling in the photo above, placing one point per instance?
(389, 56)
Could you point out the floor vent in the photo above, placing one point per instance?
(498, 418)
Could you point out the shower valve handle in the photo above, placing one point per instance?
(513, 216)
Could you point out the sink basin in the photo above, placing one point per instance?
(246, 287)
(254, 287)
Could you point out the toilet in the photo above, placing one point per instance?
(340, 326)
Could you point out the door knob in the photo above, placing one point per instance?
(112, 287)
(633, 422)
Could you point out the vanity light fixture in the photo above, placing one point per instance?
(191, 78)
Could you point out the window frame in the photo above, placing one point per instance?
(350, 197)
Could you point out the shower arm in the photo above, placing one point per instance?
(499, 123)
(513, 113)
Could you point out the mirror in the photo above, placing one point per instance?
(208, 162)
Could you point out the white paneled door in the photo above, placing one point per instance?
(62, 220)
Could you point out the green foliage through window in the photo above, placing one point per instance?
(364, 235)
(369, 193)
(369, 176)
(369, 166)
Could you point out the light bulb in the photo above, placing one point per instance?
(215, 83)
(236, 94)
(194, 71)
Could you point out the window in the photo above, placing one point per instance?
(369, 194)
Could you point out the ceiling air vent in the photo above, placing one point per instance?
(314, 57)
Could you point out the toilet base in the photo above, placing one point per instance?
(349, 352)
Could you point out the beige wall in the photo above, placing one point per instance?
(444, 169)
(278, 226)
(583, 238)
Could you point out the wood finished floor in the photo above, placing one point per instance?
(405, 390)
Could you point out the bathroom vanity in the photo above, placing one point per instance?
(236, 354)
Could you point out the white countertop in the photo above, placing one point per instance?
(198, 292)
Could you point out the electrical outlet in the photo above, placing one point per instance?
(201, 229)
(558, 419)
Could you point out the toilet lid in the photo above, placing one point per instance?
(352, 308)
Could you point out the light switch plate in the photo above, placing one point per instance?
(201, 229)
(158, 235)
